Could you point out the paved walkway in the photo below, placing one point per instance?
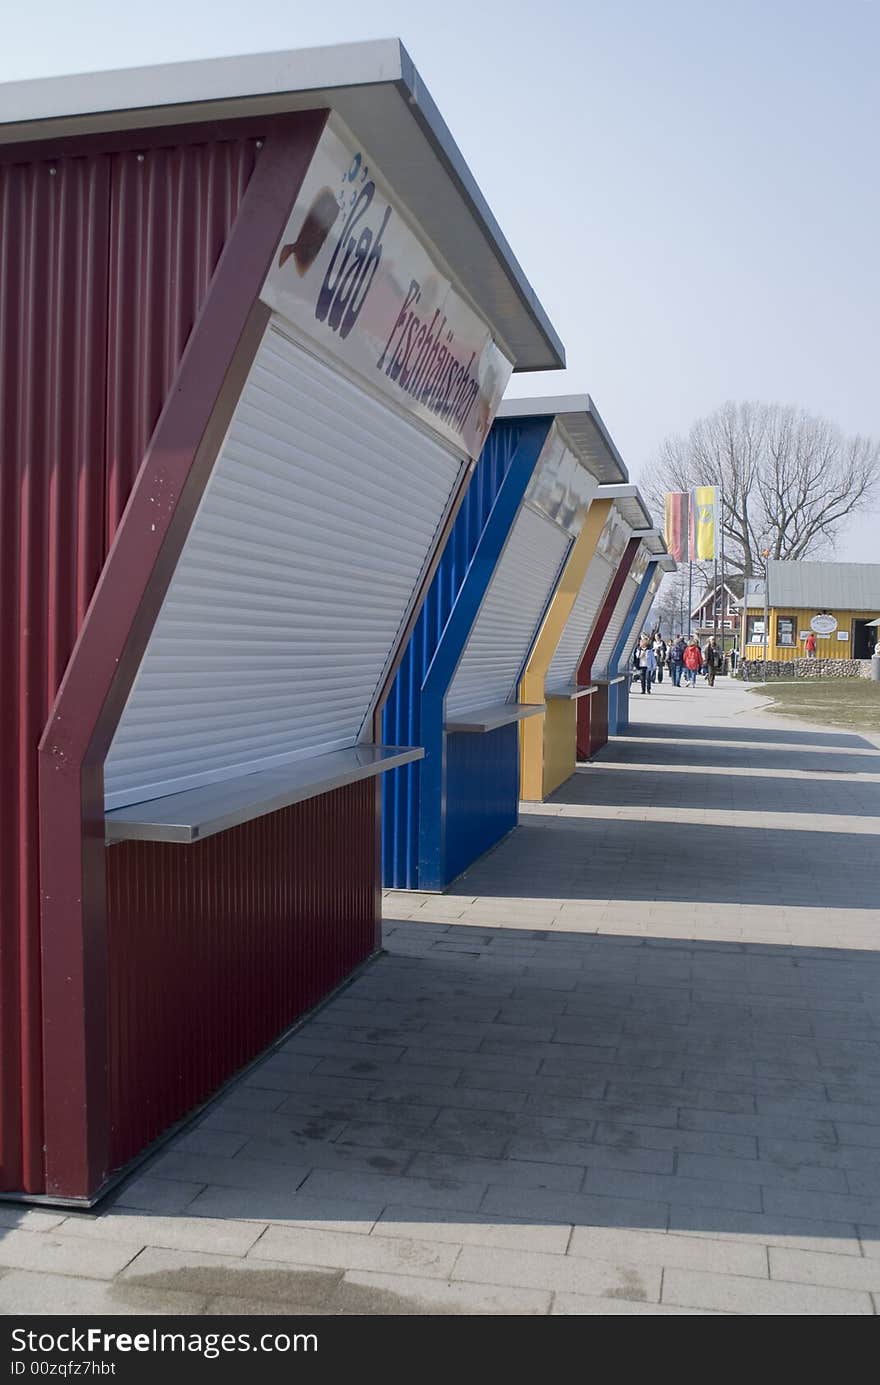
(629, 1064)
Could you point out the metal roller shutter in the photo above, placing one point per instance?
(564, 664)
(300, 567)
(644, 608)
(627, 596)
(512, 608)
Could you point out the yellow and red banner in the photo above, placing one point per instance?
(704, 523)
(676, 508)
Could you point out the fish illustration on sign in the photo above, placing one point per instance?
(318, 223)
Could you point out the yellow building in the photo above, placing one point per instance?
(837, 602)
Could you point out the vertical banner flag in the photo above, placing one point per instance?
(704, 523)
(676, 507)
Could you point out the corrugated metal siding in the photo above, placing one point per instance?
(53, 331)
(616, 624)
(598, 719)
(564, 664)
(638, 624)
(823, 587)
(216, 948)
(618, 708)
(81, 386)
(171, 210)
(515, 601)
(482, 786)
(402, 713)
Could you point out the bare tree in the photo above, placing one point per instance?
(670, 609)
(789, 480)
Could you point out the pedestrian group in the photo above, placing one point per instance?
(684, 659)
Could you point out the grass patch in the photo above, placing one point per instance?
(829, 701)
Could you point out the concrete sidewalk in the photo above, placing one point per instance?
(630, 1063)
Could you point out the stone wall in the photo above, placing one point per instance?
(752, 670)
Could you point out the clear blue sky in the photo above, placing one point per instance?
(692, 188)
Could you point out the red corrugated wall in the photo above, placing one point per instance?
(592, 722)
(216, 948)
(105, 258)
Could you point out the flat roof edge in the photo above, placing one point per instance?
(561, 406)
(197, 81)
(59, 107)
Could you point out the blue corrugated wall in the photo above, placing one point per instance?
(618, 693)
(434, 808)
(482, 791)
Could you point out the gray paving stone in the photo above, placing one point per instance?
(289, 1208)
(221, 1236)
(763, 1172)
(798, 1232)
(59, 1253)
(447, 1193)
(411, 1294)
(558, 1151)
(508, 1172)
(24, 1294)
(577, 1209)
(281, 1286)
(433, 1140)
(660, 1248)
(339, 1250)
(567, 1274)
(472, 1228)
(321, 1154)
(629, 1137)
(232, 1173)
(694, 1192)
(835, 1271)
(21, 1218)
(737, 1294)
(148, 1194)
(581, 1305)
(831, 1206)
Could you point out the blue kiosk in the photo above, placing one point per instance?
(455, 692)
(618, 662)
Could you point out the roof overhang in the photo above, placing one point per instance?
(630, 506)
(667, 563)
(874, 623)
(582, 424)
(652, 540)
(376, 90)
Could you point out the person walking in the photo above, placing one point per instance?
(676, 660)
(710, 657)
(647, 663)
(810, 645)
(693, 662)
(661, 654)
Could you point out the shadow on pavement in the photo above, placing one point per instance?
(842, 740)
(713, 790)
(496, 1088)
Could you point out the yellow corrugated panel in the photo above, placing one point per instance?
(548, 742)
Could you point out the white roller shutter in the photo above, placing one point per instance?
(579, 626)
(638, 623)
(300, 567)
(512, 608)
(627, 596)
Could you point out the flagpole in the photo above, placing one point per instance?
(690, 595)
(723, 581)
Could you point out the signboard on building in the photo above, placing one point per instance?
(353, 275)
(823, 625)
